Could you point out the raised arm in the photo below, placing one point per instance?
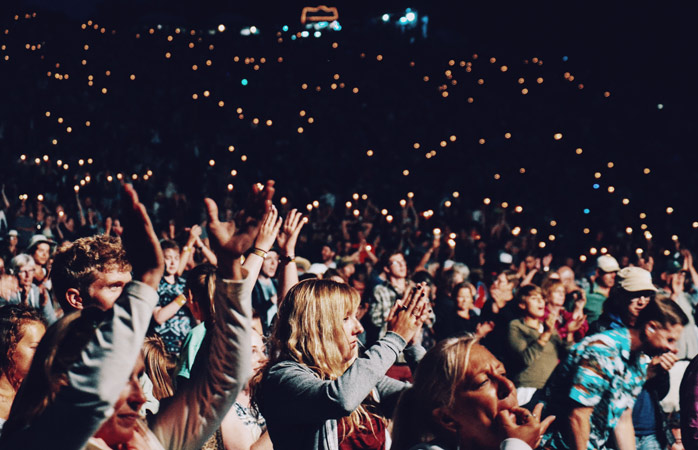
(5, 201)
(271, 223)
(96, 379)
(313, 399)
(287, 242)
(198, 408)
(185, 254)
(207, 252)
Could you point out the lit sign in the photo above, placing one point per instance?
(319, 13)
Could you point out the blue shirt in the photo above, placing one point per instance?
(599, 372)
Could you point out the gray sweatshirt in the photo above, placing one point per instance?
(302, 410)
(186, 420)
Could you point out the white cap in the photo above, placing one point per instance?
(607, 263)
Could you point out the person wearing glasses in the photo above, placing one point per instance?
(23, 268)
(613, 380)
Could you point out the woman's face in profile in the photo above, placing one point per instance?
(23, 354)
(477, 401)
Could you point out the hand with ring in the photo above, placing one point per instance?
(522, 424)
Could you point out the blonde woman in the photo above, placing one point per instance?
(316, 392)
(463, 400)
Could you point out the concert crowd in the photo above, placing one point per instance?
(416, 276)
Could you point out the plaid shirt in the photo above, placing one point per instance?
(384, 297)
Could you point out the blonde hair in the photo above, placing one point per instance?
(308, 330)
(549, 286)
(158, 366)
(440, 373)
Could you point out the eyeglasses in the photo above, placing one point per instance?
(26, 271)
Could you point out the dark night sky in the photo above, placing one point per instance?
(642, 54)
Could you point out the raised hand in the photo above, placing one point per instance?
(271, 223)
(484, 328)
(195, 232)
(229, 241)
(687, 259)
(576, 323)
(289, 233)
(407, 315)
(549, 324)
(547, 260)
(520, 423)
(140, 241)
(117, 227)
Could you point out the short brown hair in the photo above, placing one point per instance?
(527, 291)
(75, 264)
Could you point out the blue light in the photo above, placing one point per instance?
(243, 82)
(403, 20)
(305, 34)
(565, 58)
(587, 210)
(410, 16)
(386, 17)
(596, 185)
(317, 34)
(293, 37)
(285, 28)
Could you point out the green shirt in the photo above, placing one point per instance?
(190, 348)
(531, 364)
(594, 305)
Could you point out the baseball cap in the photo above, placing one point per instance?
(607, 263)
(635, 279)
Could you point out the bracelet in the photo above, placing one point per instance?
(180, 300)
(287, 259)
(259, 252)
(186, 248)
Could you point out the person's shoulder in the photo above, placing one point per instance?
(286, 375)
(382, 289)
(517, 324)
(283, 368)
(607, 343)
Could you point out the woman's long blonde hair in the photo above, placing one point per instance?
(440, 373)
(308, 329)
